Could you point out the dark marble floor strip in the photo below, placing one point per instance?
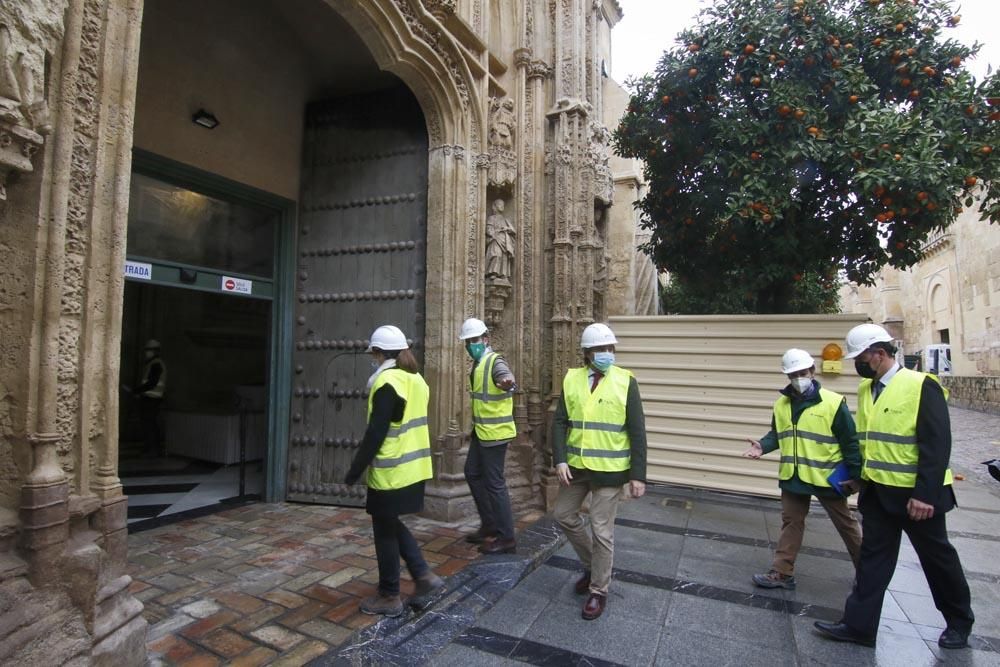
(755, 600)
(157, 521)
(145, 511)
(525, 650)
(145, 489)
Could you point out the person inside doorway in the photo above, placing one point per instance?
(150, 394)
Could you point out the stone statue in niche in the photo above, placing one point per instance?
(500, 240)
(503, 123)
(10, 87)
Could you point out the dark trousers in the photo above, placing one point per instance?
(881, 535)
(392, 540)
(149, 419)
(484, 473)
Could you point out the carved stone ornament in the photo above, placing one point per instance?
(503, 123)
(440, 9)
(21, 111)
(604, 186)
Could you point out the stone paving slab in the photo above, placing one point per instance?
(265, 584)
(270, 584)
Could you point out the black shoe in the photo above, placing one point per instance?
(952, 638)
(498, 546)
(843, 633)
(480, 535)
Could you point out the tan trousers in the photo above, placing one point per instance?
(596, 546)
(794, 508)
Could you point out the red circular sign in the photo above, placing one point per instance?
(230, 284)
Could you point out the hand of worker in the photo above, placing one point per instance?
(563, 473)
(918, 510)
(754, 451)
(851, 486)
(506, 384)
(636, 488)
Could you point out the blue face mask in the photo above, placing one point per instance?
(476, 350)
(603, 360)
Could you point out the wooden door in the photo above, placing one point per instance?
(361, 263)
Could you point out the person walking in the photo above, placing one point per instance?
(814, 430)
(150, 393)
(491, 384)
(598, 447)
(905, 434)
(396, 449)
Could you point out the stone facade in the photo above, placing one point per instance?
(517, 109)
(952, 296)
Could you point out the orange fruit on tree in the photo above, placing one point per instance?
(986, 150)
(813, 130)
(749, 48)
(693, 72)
(853, 99)
(693, 48)
(666, 99)
(971, 180)
(784, 110)
(755, 81)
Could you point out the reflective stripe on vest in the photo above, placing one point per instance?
(404, 457)
(888, 430)
(597, 438)
(161, 384)
(808, 448)
(492, 407)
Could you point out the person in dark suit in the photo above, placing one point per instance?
(905, 431)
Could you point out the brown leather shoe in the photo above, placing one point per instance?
(480, 535)
(583, 583)
(498, 547)
(594, 606)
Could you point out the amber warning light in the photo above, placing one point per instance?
(832, 354)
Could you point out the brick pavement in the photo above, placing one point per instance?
(270, 584)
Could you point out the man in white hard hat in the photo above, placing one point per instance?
(815, 432)
(905, 434)
(150, 392)
(598, 447)
(491, 385)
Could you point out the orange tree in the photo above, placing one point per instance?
(787, 143)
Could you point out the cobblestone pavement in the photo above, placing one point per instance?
(975, 438)
(280, 584)
(275, 584)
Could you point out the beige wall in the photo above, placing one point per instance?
(708, 382)
(956, 287)
(250, 75)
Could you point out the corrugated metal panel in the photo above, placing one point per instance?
(708, 383)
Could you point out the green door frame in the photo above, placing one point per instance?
(280, 292)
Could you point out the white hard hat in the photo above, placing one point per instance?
(471, 328)
(863, 336)
(388, 337)
(796, 360)
(152, 344)
(597, 335)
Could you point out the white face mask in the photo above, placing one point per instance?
(802, 384)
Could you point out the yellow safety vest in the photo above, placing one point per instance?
(492, 407)
(597, 437)
(161, 384)
(888, 429)
(808, 447)
(404, 458)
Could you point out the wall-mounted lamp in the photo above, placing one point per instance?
(205, 119)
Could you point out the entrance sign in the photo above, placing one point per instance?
(238, 285)
(138, 270)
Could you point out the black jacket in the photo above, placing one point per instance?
(934, 452)
(387, 407)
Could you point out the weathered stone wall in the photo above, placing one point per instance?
(981, 392)
(956, 287)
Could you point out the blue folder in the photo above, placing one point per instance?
(839, 475)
